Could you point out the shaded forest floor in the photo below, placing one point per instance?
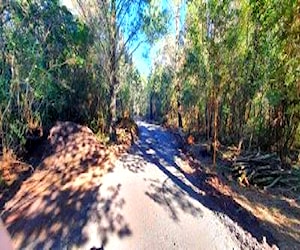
(278, 211)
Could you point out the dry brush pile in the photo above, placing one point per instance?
(265, 171)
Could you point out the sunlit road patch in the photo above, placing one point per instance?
(144, 202)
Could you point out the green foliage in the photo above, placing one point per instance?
(131, 96)
(236, 59)
(241, 61)
(54, 66)
(159, 89)
(43, 51)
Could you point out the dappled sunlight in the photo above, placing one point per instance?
(133, 163)
(219, 80)
(65, 202)
(184, 187)
(56, 203)
(274, 212)
(172, 198)
(109, 213)
(150, 151)
(184, 165)
(150, 141)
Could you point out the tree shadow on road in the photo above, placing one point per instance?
(172, 198)
(162, 154)
(133, 163)
(61, 204)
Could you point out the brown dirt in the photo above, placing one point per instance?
(12, 174)
(276, 211)
(51, 195)
(53, 190)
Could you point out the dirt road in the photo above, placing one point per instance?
(145, 202)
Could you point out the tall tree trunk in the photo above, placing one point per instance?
(177, 81)
(216, 111)
(151, 106)
(198, 120)
(208, 118)
(113, 74)
(112, 113)
(179, 114)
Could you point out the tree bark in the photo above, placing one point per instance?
(113, 74)
(216, 107)
(179, 114)
(208, 118)
(151, 106)
(198, 120)
(177, 83)
(112, 113)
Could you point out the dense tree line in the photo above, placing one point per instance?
(59, 66)
(228, 71)
(45, 75)
(237, 76)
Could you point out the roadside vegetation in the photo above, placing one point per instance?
(230, 77)
(225, 78)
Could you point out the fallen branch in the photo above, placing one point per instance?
(264, 171)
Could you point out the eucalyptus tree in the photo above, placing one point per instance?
(242, 55)
(177, 8)
(121, 26)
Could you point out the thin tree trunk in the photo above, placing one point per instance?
(198, 120)
(113, 113)
(113, 74)
(179, 106)
(151, 106)
(216, 108)
(208, 119)
(179, 115)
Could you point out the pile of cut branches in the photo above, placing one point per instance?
(264, 171)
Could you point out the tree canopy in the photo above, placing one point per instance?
(239, 76)
(227, 70)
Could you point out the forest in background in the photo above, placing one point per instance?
(58, 66)
(229, 73)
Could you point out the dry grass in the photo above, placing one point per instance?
(11, 169)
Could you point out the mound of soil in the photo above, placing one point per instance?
(72, 164)
(69, 148)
